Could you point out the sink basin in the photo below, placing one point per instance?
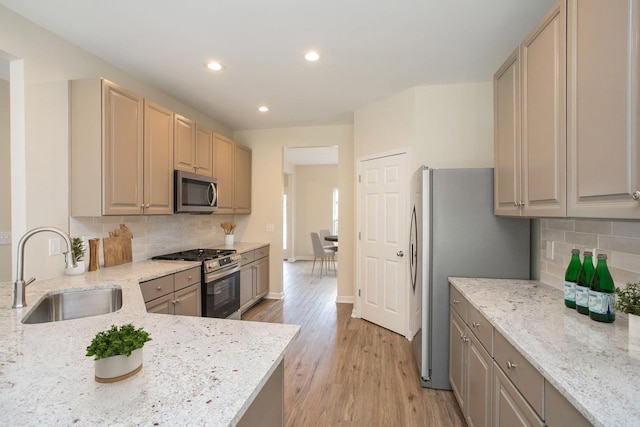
(74, 304)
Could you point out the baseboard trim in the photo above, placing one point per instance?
(344, 300)
(274, 295)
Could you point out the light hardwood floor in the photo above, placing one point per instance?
(343, 371)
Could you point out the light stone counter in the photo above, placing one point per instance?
(196, 371)
(594, 365)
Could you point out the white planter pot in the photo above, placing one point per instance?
(78, 269)
(228, 239)
(634, 327)
(117, 368)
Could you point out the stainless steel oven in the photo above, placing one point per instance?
(220, 280)
(221, 292)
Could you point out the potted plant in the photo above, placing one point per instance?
(117, 352)
(228, 228)
(78, 250)
(628, 301)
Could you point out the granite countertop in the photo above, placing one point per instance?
(594, 365)
(196, 371)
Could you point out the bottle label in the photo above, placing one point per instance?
(601, 302)
(569, 291)
(582, 296)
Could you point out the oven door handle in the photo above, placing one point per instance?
(212, 277)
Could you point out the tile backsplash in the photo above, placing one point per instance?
(619, 239)
(155, 235)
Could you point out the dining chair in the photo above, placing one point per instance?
(325, 255)
(326, 244)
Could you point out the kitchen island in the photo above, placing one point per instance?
(196, 371)
(595, 366)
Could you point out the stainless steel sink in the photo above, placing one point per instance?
(75, 303)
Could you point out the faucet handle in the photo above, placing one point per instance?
(30, 281)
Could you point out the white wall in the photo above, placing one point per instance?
(49, 63)
(454, 126)
(313, 204)
(5, 178)
(267, 146)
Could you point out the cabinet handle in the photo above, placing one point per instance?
(177, 301)
(189, 277)
(455, 301)
(475, 324)
(636, 195)
(511, 365)
(159, 287)
(465, 339)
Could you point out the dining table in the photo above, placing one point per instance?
(331, 238)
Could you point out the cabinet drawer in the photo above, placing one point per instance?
(187, 278)
(480, 327)
(247, 257)
(157, 287)
(458, 302)
(262, 252)
(524, 376)
(161, 305)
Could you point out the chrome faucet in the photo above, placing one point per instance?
(20, 285)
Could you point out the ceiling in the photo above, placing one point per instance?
(369, 49)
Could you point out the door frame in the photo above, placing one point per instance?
(406, 151)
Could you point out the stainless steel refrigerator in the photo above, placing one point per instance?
(455, 233)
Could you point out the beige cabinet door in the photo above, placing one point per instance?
(188, 301)
(204, 151)
(162, 305)
(457, 358)
(479, 382)
(543, 72)
(507, 144)
(158, 160)
(246, 286)
(603, 108)
(510, 409)
(224, 173)
(262, 277)
(184, 144)
(122, 151)
(242, 179)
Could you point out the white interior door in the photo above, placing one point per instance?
(383, 234)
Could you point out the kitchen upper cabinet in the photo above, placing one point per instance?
(158, 160)
(242, 179)
(603, 108)
(224, 173)
(233, 172)
(193, 147)
(507, 142)
(529, 123)
(184, 144)
(204, 151)
(121, 152)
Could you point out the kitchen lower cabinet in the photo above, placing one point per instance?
(254, 277)
(558, 412)
(603, 109)
(179, 294)
(510, 409)
(470, 371)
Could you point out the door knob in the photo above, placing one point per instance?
(636, 195)
(400, 253)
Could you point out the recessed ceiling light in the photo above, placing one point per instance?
(214, 66)
(312, 56)
(263, 108)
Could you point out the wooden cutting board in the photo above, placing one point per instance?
(117, 247)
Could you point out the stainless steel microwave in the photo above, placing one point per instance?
(195, 193)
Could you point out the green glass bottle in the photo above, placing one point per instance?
(570, 279)
(582, 285)
(602, 297)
